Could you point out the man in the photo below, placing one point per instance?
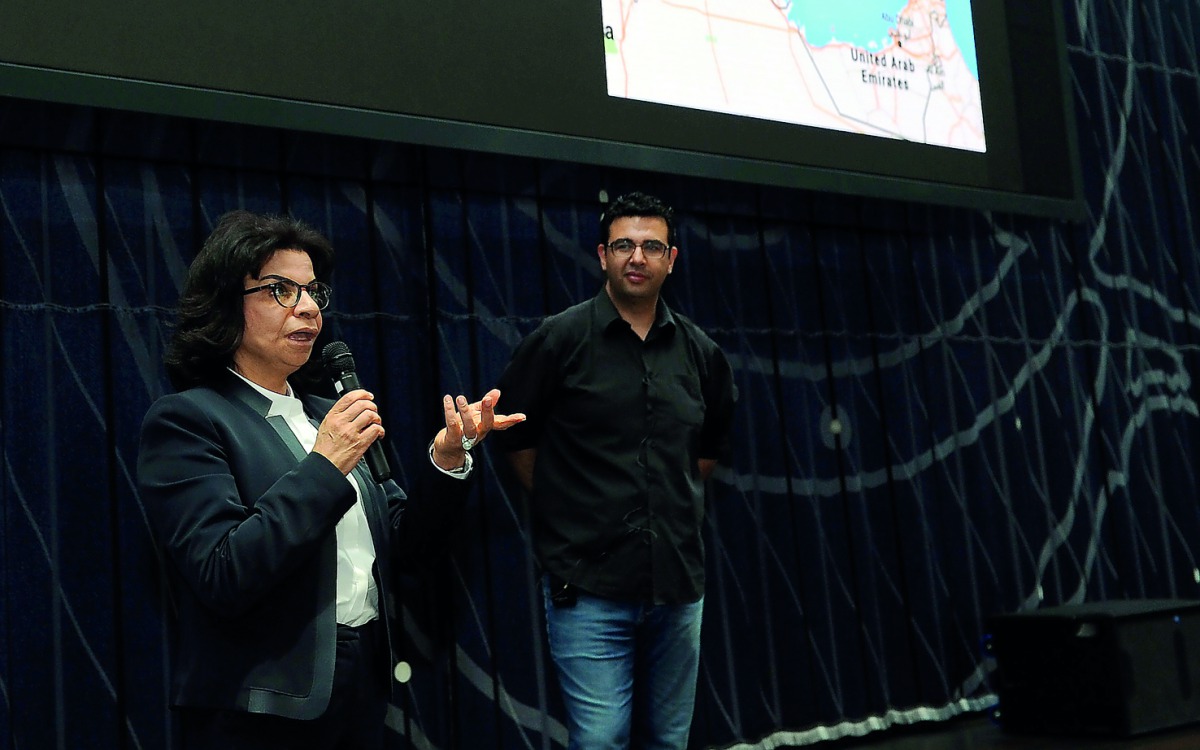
(628, 408)
(278, 541)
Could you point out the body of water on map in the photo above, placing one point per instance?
(865, 23)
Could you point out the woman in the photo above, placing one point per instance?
(278, 542)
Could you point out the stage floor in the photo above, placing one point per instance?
(980, 733)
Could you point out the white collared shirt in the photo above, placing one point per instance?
(357, 598)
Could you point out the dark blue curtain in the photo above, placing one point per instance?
(945, 414)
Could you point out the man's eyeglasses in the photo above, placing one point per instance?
(624, 247)
(287, 292)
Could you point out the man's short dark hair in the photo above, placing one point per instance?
(210, 320)
(637, 204)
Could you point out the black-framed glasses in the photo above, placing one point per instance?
(624, 247)
(287, 292)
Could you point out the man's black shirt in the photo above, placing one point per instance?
(619, 425)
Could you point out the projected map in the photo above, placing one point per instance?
(860, 66)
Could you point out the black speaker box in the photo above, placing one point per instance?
(1116, 668)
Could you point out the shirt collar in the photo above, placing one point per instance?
(607, 315)
(282, 405)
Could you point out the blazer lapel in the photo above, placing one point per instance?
(260, 404)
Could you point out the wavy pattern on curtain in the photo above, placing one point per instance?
(945, 414)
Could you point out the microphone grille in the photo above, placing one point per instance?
(337, 358)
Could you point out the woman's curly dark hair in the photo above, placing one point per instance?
(210, 321)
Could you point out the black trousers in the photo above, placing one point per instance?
(353, 721)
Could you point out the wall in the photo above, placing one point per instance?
(1017, 415)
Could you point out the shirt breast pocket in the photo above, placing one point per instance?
(683, 399)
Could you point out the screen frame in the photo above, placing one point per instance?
(39, 82)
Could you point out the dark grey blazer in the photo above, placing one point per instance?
(245, 520)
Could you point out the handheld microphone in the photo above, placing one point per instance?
(339, 365)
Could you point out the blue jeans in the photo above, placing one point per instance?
(627, 671)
